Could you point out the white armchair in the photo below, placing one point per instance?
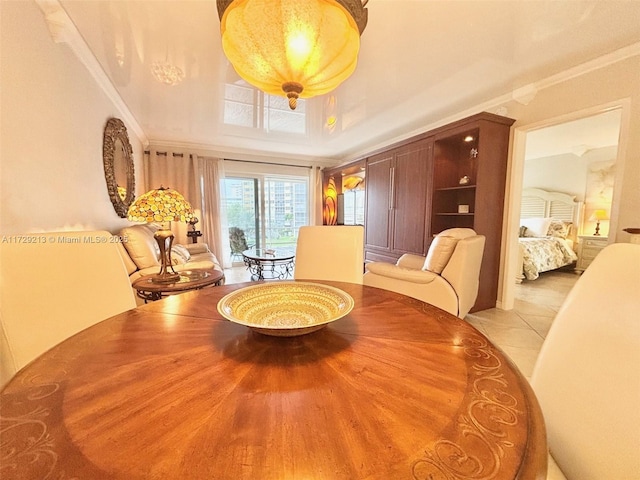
(587, 376)
(52, 286)
(448, 277)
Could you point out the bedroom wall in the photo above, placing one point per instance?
(51, 124)
(559, 173)
(565, 173)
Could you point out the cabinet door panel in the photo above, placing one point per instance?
(410, 198)
(378, 190)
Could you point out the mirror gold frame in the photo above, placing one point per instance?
(117, 157)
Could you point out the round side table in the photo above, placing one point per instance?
(189, 280)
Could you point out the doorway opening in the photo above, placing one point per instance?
(578, 154)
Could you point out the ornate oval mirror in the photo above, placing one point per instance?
(117, 156)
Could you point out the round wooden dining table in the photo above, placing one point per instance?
(396, 389)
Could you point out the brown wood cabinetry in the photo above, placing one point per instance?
(414, 191)
(397, 189)
(474, 149)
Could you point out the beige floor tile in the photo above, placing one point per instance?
(475, 322)
(532, 307)
(496, 317)
(541, 324)
(514, 337)
(524, 358)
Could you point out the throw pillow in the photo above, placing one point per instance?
(439, 253)
(523, 231)
(141, 245)
(179, 255)
(559, 228)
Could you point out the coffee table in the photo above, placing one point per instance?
(269, 263)
(189, 280)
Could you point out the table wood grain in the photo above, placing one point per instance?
(397, 389)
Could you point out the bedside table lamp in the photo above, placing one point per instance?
(597, 216)
(162, 206)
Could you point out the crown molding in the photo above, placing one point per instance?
(63, 30)
(522, 95)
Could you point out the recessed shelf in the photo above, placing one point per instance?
(457, 187)
(456, 214)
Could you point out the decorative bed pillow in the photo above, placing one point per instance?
(559, 228)
(522, 232)
(536, 227)
(439, 253)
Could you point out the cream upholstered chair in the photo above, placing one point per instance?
(448, 277)
(587, 377)
(330, 253)
(52, 286)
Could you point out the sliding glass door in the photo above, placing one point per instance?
(268, 209)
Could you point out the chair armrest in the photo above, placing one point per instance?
(399, 273)
(409, 260)
(195, 248)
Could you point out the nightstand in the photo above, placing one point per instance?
(588, 247)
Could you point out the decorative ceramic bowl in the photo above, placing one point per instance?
(285, 309)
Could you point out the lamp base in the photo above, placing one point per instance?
(597, 232)
(167, 274)
(165, 278)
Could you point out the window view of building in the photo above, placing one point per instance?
(354, 207)
(268, 210)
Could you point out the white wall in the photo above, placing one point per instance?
(613, 84)
(565, 173)
(51, 125)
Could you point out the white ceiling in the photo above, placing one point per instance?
(575, 137)
(420, 62)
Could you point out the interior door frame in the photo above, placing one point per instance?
(511, 223)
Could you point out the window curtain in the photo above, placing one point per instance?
(175, 170)
(214, 216)
(315, 196)
(198, 180)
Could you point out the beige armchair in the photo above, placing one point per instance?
(447, 277)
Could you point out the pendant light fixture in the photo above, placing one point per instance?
(293, 48)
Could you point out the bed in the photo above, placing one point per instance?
(548, 232)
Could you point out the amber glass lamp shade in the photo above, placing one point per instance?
(162, 206)
(330, 207)
(290, 47)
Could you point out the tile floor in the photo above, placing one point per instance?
(518, 332)
(521, 331)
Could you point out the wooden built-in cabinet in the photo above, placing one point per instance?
(397, 195)
(414, 191)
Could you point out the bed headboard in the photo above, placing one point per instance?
(542, 203)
